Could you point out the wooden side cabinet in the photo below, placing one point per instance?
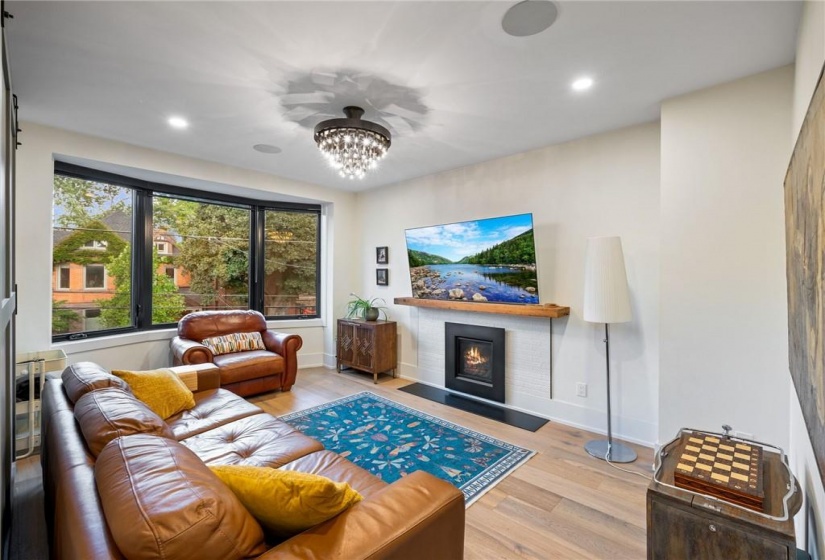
(368, 346)
(686, 526)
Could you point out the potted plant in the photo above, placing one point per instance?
(366, 308)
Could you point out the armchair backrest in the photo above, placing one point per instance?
(206, 324)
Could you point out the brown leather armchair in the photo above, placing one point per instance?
(243, 373)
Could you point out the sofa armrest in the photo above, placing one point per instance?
(287, 346)
(199, 377)
(185, 352)
(418, 516)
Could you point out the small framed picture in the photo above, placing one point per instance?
(382, 276)
(382, 255)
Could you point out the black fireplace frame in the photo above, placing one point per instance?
(492, 391)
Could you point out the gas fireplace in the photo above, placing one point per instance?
(475, 360)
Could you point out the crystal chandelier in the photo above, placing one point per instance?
(351, 145)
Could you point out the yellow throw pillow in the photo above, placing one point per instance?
(286, 502)
(160, 389)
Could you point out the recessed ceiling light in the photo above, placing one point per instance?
(266, 149)
(178, 122)
(582, 84)
(529, 18)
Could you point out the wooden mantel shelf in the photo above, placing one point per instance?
(549, 310)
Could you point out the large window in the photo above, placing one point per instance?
(146, 254)
(211, 248)
(290, 263)
(92, 233)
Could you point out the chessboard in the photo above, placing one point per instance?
(724, 468)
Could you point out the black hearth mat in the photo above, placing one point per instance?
(499, 413)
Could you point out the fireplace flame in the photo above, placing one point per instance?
(473, 357)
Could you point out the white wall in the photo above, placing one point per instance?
(35, 169)
(602, 185)
(810, 56)
(723, 298)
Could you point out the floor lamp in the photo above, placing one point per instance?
(606, 300)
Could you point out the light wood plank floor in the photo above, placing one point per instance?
(28, 530)
(562, 504)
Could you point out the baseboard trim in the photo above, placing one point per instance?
(306, 361)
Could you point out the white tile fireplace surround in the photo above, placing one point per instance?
(543, 359)
(527, 360)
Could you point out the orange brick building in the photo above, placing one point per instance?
(80, 287)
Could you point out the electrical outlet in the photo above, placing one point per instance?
(581, 389)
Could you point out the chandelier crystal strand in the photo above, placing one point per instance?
(352, 146)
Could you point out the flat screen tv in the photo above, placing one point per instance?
(489, 260)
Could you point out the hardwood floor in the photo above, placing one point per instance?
(28, 529)
(561, 504)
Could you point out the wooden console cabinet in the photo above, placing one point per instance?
(368, 346)
(682, 525)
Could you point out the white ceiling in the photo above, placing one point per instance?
(442, 76)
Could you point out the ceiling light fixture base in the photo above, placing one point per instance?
(352, 145)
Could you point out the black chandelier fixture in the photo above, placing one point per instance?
(352, 145)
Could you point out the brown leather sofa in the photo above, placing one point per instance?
(120, 482)
(243, 373)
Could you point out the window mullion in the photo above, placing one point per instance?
(142, 260)
(256, 261)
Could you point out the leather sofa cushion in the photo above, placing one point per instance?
(206, 324)
(162, 502)
(83, 377)
(337, 468)
(109, 413)
(213, 408)
(72, 509)
(248, 365)
(259, 441)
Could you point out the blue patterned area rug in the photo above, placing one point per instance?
(391, 440)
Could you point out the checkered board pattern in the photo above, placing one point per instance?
(724, 468)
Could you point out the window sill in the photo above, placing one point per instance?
(293, 323)
(103, 342)
(113, 341)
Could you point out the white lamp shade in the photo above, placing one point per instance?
(606, 298)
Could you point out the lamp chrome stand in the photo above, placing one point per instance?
(608, 449)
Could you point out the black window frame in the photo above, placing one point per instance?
(143, 192)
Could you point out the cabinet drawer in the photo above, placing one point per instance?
(676, 534)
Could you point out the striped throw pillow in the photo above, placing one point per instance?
(238, 342)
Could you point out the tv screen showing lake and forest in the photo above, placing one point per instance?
(489, 260)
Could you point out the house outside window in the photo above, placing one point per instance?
(92, 240)
(92, 320)
(162, 248)
(97, 245)
(95, 277)
(64, 278)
